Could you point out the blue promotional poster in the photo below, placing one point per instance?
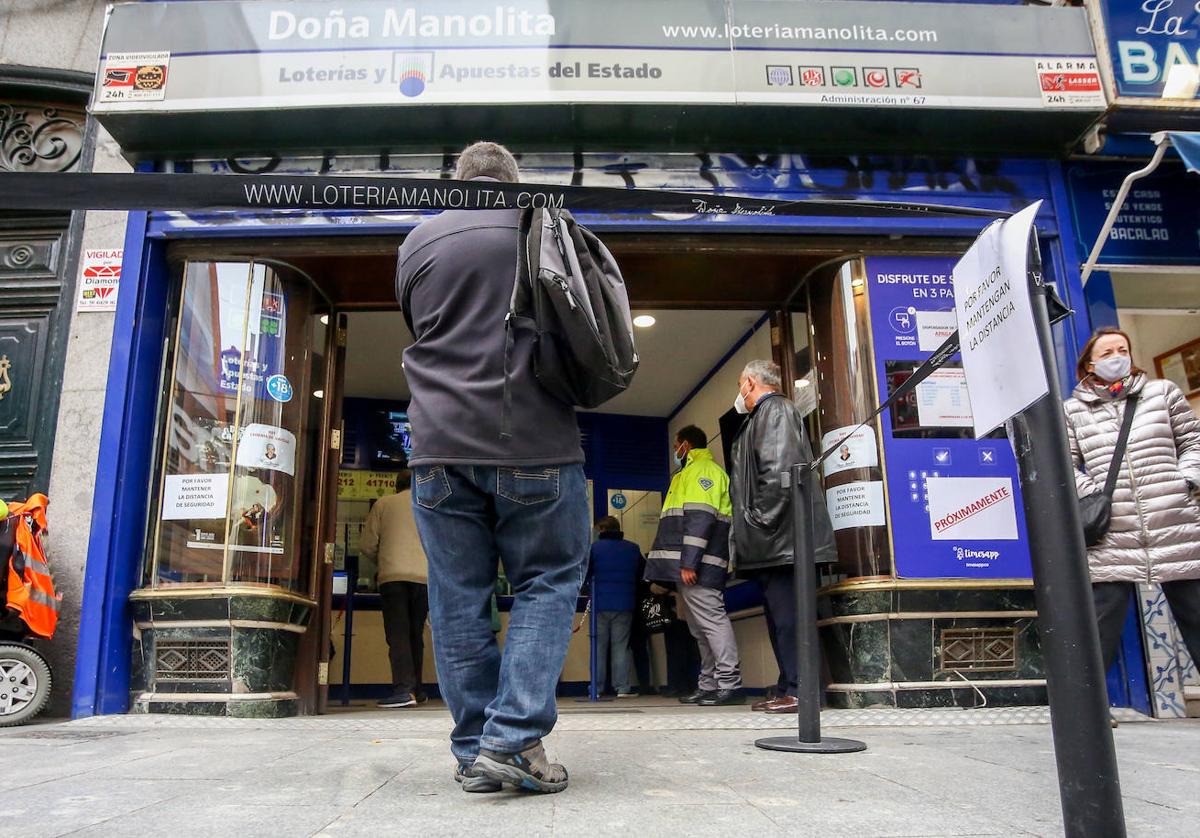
(955, 501)
(1153, 46)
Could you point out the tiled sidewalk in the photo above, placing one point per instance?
(635, 770)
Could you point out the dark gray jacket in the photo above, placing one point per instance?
(454, 280)
(768, 444)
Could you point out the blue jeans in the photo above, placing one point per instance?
(535, 521)
(612, 633)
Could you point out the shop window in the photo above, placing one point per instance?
(237, 488)
(840, 353)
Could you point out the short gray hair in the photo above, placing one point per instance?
(486, 159)
(765, 373)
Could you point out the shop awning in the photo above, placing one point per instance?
(1186, 145)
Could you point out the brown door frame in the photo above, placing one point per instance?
(313, 656)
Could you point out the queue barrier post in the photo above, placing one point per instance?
(1089, 785)
(808, 697)
(348, 628)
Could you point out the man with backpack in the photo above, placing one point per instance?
(497, 473)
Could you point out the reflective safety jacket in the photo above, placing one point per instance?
(693, 531)
(30, 590)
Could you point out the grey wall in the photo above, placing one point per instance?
(64, 34)
(77, 440)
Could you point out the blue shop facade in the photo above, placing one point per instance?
(247, 429)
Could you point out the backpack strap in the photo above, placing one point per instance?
(1114, 468)
(529, 247)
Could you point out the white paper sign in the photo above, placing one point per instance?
(195, 496)
(995, 317)
(943, 400)
(266, 446)
(859, 451)
(858, 504)
(99, 280)
(933, 327)
(971, 508)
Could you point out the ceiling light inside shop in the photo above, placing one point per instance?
(802, 382)
(324, 319)
(320, 394)
(644, 321)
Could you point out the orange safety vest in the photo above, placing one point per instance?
(30, 587)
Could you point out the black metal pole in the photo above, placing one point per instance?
(351, 565)
(808, 646)
(1089, 787)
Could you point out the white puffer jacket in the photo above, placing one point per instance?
(1155, 533)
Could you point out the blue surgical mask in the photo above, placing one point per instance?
(680, 458)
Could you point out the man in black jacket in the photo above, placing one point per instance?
(484, 496)
(769, 443)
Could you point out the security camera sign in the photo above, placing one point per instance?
(99, 280)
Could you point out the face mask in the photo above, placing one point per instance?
(679, 458)
(739, 404)
(1113, 368)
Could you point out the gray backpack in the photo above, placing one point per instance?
(569, 292)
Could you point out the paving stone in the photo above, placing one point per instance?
(652, 771)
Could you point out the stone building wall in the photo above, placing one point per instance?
(54, 41)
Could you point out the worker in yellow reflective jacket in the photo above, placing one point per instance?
(691, 552)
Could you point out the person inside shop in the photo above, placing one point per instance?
(612, 580)
(497, 479)
(389, 538)
(682, 651)
(769, 443)
(1154, 530)
(691, 553)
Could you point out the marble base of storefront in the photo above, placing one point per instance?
(216, 653)
(890, 644)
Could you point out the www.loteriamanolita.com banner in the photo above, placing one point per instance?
(240, 55)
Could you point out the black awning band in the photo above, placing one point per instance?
(84, 191)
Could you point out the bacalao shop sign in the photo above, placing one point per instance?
(174, 74)
(1149, 54)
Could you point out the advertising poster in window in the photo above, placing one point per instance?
(955, 501)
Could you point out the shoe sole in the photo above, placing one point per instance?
(396, 706)
(504, 773)
(477, 785)
(481, 785)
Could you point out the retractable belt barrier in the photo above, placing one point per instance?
(84, 191)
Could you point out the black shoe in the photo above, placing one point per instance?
(697, 697)
(420, 697)
(529, 769)
(397, 700)
(473, 783)
(723, 698)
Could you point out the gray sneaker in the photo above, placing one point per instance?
(473, 783)
(529, 769)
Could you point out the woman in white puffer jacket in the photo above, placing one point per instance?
(1155, 532)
